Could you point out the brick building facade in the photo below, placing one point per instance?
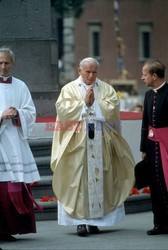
(142, 27)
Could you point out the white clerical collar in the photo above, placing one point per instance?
(156, 89)
(5, 79)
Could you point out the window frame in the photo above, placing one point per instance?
(94, 28)
(144, 27)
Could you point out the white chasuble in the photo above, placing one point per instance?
(94, 116)
(93, 173)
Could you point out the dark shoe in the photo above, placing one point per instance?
(7, 237)
(82, 231)
(93, 230)
(158, 230)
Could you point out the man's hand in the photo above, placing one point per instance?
(9, 113)
(89, 98)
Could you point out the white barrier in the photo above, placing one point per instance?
(131, 129)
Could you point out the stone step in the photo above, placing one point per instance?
(40, 147)
(43, 164)
(138, 203)
(133, 204)
(43, 187)
(49, 211)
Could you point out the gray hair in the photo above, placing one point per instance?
(88, 60)
(7, 50)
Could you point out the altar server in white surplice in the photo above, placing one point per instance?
(17, 165)
(92, 164)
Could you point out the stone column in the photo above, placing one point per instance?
(26, 26)
(69, 44)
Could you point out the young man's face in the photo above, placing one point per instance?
(6, 64)
(88, 72)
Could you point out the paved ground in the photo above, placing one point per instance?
(130, 234)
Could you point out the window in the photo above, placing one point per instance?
(96, 43)
(94, 39)
(145, 30)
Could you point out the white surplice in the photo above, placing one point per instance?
(17, 163)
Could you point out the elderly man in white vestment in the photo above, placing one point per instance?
(17, 165)
(92, 164)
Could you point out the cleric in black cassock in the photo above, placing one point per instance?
(155, 116)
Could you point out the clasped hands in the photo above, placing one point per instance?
(89, 98)
(9, 113)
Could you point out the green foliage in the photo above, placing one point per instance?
(66, 7)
